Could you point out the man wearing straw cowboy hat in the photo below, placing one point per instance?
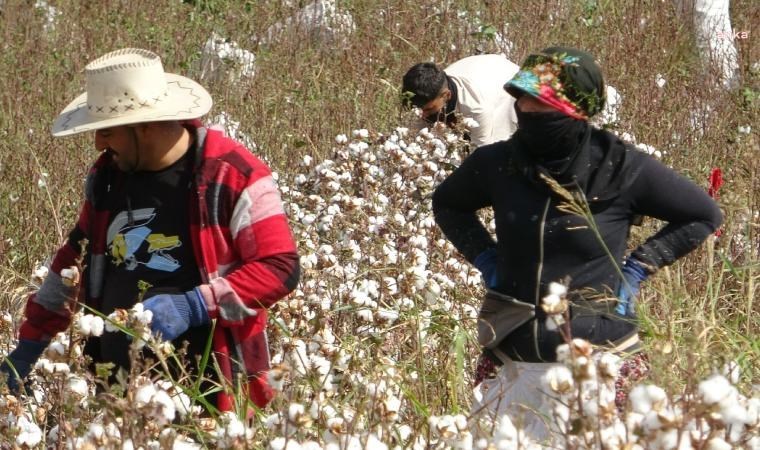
(185, 209)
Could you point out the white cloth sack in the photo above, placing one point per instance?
(516, 391)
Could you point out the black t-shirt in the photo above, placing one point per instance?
(148, 241)
(148, 237)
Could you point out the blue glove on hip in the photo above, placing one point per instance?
(487, 263)
(19, 362)
(173, 314)
(633, 275)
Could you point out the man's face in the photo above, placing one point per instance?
(121, 141)
(434, 110)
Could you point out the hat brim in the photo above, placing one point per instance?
(185, 100)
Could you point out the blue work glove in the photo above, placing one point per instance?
(633, 275)
(173, 314)
(487, 263)
(19, 362)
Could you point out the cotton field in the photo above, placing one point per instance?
(373, 350)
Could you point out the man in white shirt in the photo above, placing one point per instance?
(472, 87)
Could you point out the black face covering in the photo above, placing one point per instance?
(549, 136)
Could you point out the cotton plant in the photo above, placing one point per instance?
(224, 60)
(321, 19)
(384, 302)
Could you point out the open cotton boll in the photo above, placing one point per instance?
(715, 389)
(77, 387)
(645, 398)
(29, 433)
(90, 325)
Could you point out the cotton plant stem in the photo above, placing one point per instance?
(578, 205)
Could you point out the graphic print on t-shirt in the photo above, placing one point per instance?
(133, 244)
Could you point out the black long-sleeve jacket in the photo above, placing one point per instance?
(537, 243)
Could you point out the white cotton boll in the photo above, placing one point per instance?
(735, 416)
(144, 394)
(717, 443)
(40, 273)
(428, 222)
(309, 261)
(744, 129)
(404, 432)
(420, 242)
(386, 315)
(233, 427)
(505, 429)
(644, 398)
(557, 289)
(142, 315)
(753, 411)
(71, 274)
(715, 389)
(57, 347)
(666, 439)
(96, 431)
(362, 133)
(732, 371)
(341, 139)
(59, 368)
(164, 406)
(29, 433)
(44, 365)
(90, 325)
(609, 365)
(651, 422)
(272, 421)
(563, 354)
(77, 386)
(282, 443)
(660, 80)
(558, 379)
(365, 315)
(471, 123)
(551, 301)
(184, 405)
(295, 411)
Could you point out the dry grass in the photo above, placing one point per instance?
(307, 89)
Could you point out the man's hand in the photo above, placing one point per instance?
(633, 275)
(19, 362)
(487, 263)
(173, 314)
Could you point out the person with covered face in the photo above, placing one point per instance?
(471, 87)
(539, 242)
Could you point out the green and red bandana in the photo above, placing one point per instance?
(564, 78)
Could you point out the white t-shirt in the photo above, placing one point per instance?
(481, 96)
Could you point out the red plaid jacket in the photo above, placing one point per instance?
(242, 243)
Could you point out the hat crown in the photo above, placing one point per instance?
(125, 81)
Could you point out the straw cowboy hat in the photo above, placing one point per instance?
(130, 86)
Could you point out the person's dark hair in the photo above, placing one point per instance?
(422, 83)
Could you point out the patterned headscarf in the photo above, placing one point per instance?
(564, 78)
